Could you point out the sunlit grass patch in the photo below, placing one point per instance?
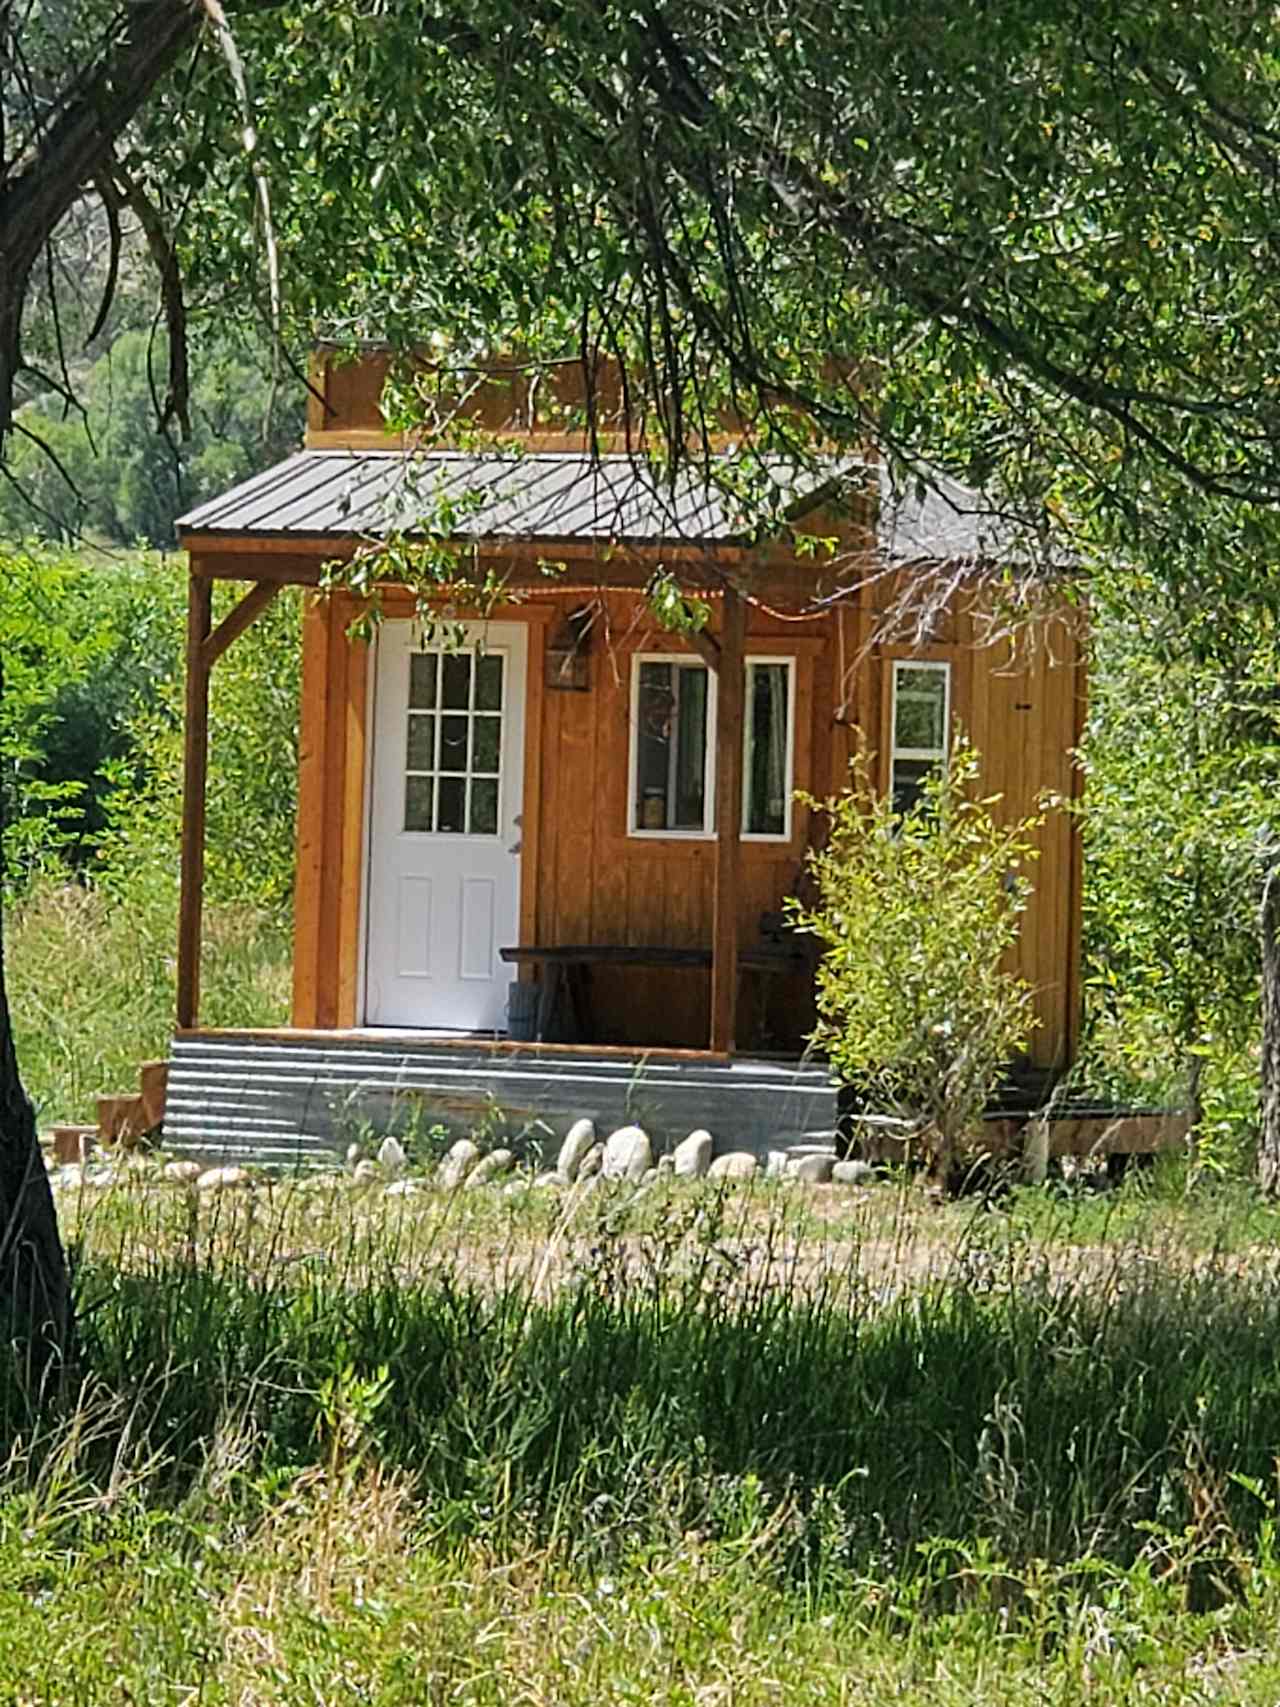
(686, 1443)
(92, 980)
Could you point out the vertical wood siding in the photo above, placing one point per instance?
(584, 879)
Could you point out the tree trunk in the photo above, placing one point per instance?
(1195, 1105)
(1269, 1130)
(35, 1299)
(73, 145)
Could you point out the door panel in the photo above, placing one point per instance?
(444, 863)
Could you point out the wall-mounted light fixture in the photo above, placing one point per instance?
(569, 653)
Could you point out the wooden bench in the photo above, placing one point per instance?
(567, 969)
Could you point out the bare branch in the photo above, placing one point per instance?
(177, 402)
(111, 203)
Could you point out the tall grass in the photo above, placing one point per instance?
(92, 981)
(1044, 1412)
(330, 1446)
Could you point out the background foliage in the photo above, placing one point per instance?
(1182, 769)
(108, 471)
(90, 737)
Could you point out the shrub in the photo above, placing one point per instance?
(917, 913)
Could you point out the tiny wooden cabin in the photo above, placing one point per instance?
(576, 799)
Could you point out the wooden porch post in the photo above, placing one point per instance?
(195, 764)
(730, 693)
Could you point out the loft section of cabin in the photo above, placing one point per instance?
(555, 404)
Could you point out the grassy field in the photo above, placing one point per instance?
(781, 1444)
(93, 979)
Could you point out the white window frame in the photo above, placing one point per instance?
(917, 754)
(685, 661)
(789, 748)
(693, 661)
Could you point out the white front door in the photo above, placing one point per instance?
(444, 854)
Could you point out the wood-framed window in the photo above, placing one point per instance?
(921, 718)
(673, 741)
(768, 758)
(672, 747)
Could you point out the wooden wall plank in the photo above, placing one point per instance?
(195, 770)
(725, 923)
(531, 806)
(1074, 994)
(312, 732)
(573, 812)
(352, 818)
(332, 827)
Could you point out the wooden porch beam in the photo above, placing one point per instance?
(195, 765)
(730, 695)
(237, 620)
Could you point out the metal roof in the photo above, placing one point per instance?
(943, 522)
(568, 495)
(540, 495)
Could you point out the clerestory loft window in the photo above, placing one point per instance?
(921, 715)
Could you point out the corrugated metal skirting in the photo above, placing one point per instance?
(282, 1102)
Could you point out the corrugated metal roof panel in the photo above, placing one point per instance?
(543, 495)
(946, 522)
(566, 495)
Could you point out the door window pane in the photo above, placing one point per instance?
(422, 681)
(417, 802)
(453, 743)
(455, 692)
(767, 757)
(489, 682)
(421, 755)
(484, 806)
(484, 743)
(450, 816)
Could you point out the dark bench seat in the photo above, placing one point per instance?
(567, 967)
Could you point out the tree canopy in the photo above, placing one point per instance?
(1043, 236)
(1040, 238)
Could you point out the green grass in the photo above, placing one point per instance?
(92, 980)
(691, 1446)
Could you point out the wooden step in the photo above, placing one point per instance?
(121, 1119)
(72, 1143)
(153, 1078)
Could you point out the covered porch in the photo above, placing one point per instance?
(473, 815)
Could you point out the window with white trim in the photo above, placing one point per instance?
(671, 766)
(766, 758)
(921, 715)
(673, 722)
